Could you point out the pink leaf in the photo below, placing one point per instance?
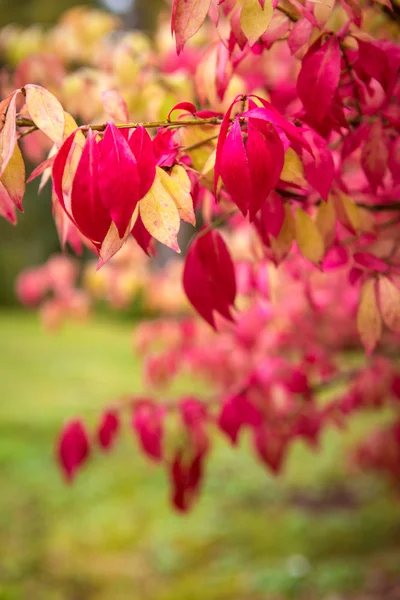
(299, 35)
(319, 171)
(375, 154)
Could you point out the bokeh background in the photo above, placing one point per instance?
(319, 531)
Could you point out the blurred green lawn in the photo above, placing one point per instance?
(316, 532)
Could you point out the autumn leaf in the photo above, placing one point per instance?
(7, 207)
(179, 186)
(13, 177)
(160, 214)
(115, 106)
(389, 302)
(375, 155)
(309, 238)
(319, 78)
(282, 244)
(46, 112)
(255, 20)
(8, 133)
(293, 171)
(369, 322)
(113, 242)
(326, 221)
(187, 18)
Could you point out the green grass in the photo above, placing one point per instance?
(113, 535)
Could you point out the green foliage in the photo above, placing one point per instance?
(311, 533)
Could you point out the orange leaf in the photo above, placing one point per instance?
(369, 322)
(389, 301)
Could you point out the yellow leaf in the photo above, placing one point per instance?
(69, 127)
(347, 212)
(308, 237)
(178, 185)
(326, 221)
(190, 136)
(369, 322)
(46, 112)
(13, 177)
(255, 20)
(210, 163)
(159, 213)
(281, 245)
(293, 170)
(389, 300)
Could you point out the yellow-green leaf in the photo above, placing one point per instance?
(389, 300)
(281, 245)
(255, 20)
(46, 112)
(293, 170)
(369, 322)
(160, 214)
(13, 177)
(308, 237)
(69, 127)
(326, 221)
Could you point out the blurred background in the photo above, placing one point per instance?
(316, 532)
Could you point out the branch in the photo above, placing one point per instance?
(379, 207)
(24, 122)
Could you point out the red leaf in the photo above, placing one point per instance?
(72, 448)
(7, 206)
(142, 147)
(186, 106)
(209, 277)
(143, 237)
(148, 422)
(265, 155)
(319, 78)
(108, 429)
(374, 155)
(89, 214)
(319, 171)
(235, 168)
(223, 132)
(271, 446)
(118, 178)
